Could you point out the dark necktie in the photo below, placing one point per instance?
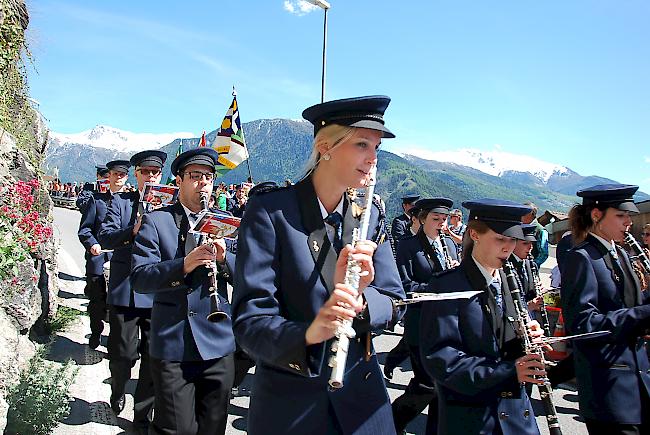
(335, 220)
(615, 259)
(495, 288)
(438, 250)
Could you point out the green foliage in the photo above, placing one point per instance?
(40, 400)
(12, 34)
(65, 316)
(11, 252)
(16, 114)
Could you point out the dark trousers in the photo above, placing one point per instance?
(96, 292)
(124, 349)
(562, 372)
(419, 394)
(397, 354)
(191, 396)
(243, 363)
(596, 427)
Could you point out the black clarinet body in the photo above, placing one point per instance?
(445, 251)
(545, 390)
(638, 251)
(546, 325)
(217, 313)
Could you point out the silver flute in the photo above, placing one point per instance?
(344, 333)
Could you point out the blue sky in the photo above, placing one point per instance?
(563, 81)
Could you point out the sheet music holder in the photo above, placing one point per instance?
(217, 224)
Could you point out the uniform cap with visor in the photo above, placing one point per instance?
(435, 205)
(501, 216)
(618, 196)
(153, 158)
(197, 156)
(360, 112)
(119, 165)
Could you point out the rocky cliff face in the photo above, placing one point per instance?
(27, 248)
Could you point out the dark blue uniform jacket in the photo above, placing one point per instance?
(284, 275)
(117, 233)
(612, 372)
(469, 348)
(400, 227)
(416, 263)
(180, 330)
(92, 216)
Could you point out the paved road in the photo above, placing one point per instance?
(91, 413)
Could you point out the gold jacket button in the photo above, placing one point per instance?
(526, 413)
(509, 394)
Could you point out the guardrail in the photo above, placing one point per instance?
(61, 201)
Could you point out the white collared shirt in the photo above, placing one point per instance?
(488, 278)
(188, 213)
(329, 228)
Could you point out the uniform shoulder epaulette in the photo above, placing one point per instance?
(579, 245)
(379, 204)
(408, 236)
(264, 188)
(270, 189)
(443, 273)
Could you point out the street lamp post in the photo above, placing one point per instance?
(325, 6)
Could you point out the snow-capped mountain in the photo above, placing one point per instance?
(103, 136)
(497, 163)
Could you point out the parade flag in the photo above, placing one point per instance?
(229, 141)
(202, 143)
(171, 180)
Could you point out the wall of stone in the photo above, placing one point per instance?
(28, 297)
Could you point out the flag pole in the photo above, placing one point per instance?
(248, 160)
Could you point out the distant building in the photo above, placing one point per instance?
(557, 223)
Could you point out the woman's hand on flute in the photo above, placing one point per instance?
(343, 304)
(362, 254)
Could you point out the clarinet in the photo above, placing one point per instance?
(538, 292)
(638, 251)
(545, 390)
(345, 332)
(445, 251)
(217, 313)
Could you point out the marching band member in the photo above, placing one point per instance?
(289, 293)
(561, 371)
(600, 292)
(470, 347)
(191, 357)
(402, 222)
(419, 257)
(89, 188)
(400, 352)
(93, 212)
(521, 263)
(129, 313)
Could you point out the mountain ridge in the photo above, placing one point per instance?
(279, 148)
